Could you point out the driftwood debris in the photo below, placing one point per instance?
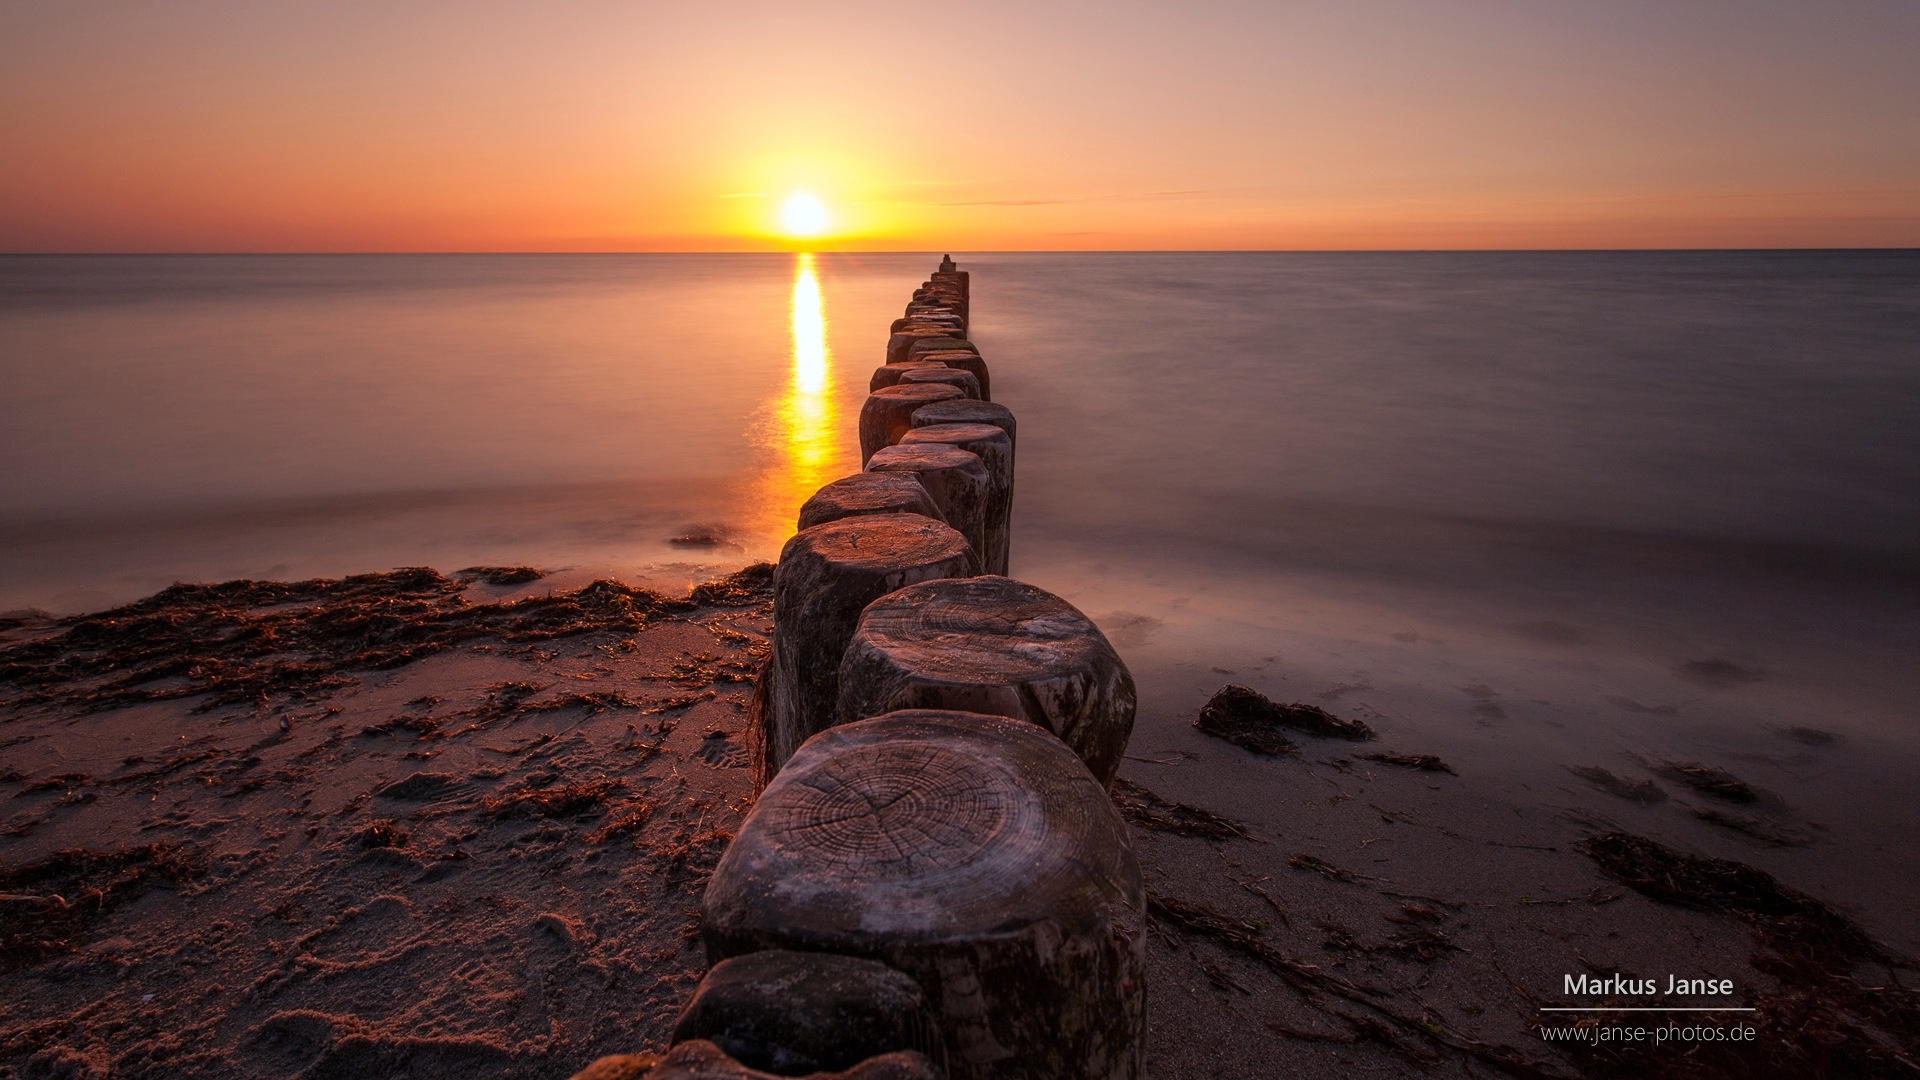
(827, 574)
(992, 645)
(976, 854)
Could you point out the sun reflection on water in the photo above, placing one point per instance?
(803, 429)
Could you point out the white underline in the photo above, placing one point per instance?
(1650, 1009)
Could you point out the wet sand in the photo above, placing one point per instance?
(428, 826)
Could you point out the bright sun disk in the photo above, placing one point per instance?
(803, 215)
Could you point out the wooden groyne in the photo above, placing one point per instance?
(933, 881)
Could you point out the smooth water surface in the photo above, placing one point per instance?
(1524, 510)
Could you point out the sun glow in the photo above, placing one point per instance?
(802, 423)
(802, 215)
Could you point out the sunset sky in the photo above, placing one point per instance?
(189, 125)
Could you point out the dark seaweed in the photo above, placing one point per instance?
(1249, 719)
(47, 907)
(1423, 762)
(249, 641)
(1149, 811)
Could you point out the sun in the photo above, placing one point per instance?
(803, 215)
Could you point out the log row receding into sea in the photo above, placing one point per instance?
(933, 881)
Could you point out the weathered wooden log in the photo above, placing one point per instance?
(933, 305)
(968, 383)
(926, 317)
(992, 645)
(961, 411)
(958, 282)
(957, 479)
(866, 493)
(944, 296)
(964, 359)
(826, 575)
(995, 450)
(976, 854)
(888, 413)
(889, 374)
(932, 343)
(702, 1060)
(795, 1012)
(899, 343)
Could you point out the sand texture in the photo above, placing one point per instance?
(400, 826)
(413, 825)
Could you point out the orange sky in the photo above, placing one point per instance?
(571, 125)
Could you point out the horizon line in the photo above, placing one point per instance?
(983, 251)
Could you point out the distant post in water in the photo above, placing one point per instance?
(995, 450)
(957, 480)
(888, 413)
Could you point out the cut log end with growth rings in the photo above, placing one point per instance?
(976, 854)
(993, 645)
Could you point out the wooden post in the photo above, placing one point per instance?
(889, 374)
(964, 359)
(974, 853)
(702, 1060)
(960, 354)
(868, 493)
(928, 317)
(792, 1012)
(888, 413)
(961, 411)
(826, 575)
(995, 450)
(919, 373)
(992, 645)
(899, 343)
(956, 478)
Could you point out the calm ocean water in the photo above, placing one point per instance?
(1523, 509)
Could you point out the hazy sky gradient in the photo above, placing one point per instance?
(580, 125)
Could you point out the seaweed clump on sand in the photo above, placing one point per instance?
(1722, 885)
(540, 797)
(1711, 780)
(1422, 762)
(247, 641)
(500, 575)
(1149, 811)
(1646, 793)
(46, 906)
(1250, 720)
(1845, 1005)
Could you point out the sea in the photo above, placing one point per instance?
(1526, 511)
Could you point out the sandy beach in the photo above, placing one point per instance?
(425, 825)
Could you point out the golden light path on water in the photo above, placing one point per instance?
(803, 425)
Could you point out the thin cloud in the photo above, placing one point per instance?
(746, 195)
(1134, 197)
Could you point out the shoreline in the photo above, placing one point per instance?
(484, 859)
